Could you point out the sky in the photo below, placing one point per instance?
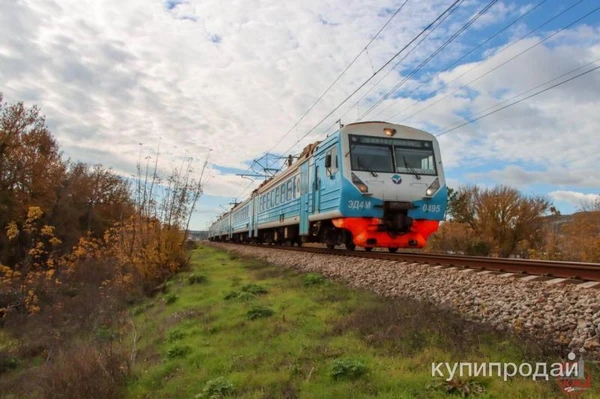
(231, 80)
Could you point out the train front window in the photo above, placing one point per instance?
(392, 155)
(372, 158)
(415, 161)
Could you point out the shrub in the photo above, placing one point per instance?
(217, 388)
(240, 296)
(456, 386)
(254, 289)
(178, 350)
(7, 363)
(259, 312)
(175, 335)
(170, 298)
(231, 295)
(84, 372)
(313, 279)
(347, 369)
(196, 279)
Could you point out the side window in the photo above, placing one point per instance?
(334, 161)
(332, 154)
(283, 193)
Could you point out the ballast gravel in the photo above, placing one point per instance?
(563, 313)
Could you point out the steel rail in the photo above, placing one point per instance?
(557, 269)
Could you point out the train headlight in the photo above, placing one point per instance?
(359, 184)
(389, 131)
(433, 187)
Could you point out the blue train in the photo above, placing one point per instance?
(371, 184)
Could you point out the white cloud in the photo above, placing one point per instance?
(578, 199)
(235, 76)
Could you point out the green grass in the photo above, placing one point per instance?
(306, 338)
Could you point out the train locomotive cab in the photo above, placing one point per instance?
(393, 191)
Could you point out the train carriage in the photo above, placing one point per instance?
(371, 184)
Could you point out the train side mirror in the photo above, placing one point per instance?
(328, 161)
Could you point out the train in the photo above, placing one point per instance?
(370, 185)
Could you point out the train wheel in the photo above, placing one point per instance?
(330, 246)
(368, 249)
(393, 250)
(350, 246)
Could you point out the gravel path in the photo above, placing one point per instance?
(563, 313)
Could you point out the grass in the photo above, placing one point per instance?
(301, 336)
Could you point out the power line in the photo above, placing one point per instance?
(376, 72)
(431, 56)
(452, 127)
(519, 101)
(507, 61)
(332, 84)
(339, 76)
(462, 58)
(400, 61)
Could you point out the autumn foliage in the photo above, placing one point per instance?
(78, 243)
(501, 221)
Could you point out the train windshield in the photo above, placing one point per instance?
(413, 161)
(372, 158)
(390, 155)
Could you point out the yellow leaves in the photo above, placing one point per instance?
(55, 241)
(47, 231)
(31, 302)
(12, 231)
(7, 274)
(34, 213)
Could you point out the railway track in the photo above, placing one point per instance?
(575, 271)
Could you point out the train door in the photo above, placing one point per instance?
(316, 189)
(255, 210)
(304, 194)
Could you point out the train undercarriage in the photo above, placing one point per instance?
(392, 233)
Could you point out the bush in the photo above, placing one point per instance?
(240, 296)
(7, 363)
(231, 295)
(84, 372)
(178, 350)
(175, 335)
(313, 279)
(259, 312)
(170, 298)
(347, 369)
(254, 289)
(217, 388)
(196, 279)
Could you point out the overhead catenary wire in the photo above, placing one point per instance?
(333, 83)
(448, 41)
(376, 72)
(393, 68)
(339, 76)
(519, 101)
(452, 127)
(454, 63)
(507, 61)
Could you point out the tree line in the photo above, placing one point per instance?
(501, 221)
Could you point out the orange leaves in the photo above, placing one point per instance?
(31, 302)
(12, 231)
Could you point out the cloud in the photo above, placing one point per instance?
(518, 176)
(575, 198)
(233, 77)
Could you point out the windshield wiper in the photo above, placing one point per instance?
(412, 170)
(360, 165)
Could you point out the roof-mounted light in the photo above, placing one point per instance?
(389, 131)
